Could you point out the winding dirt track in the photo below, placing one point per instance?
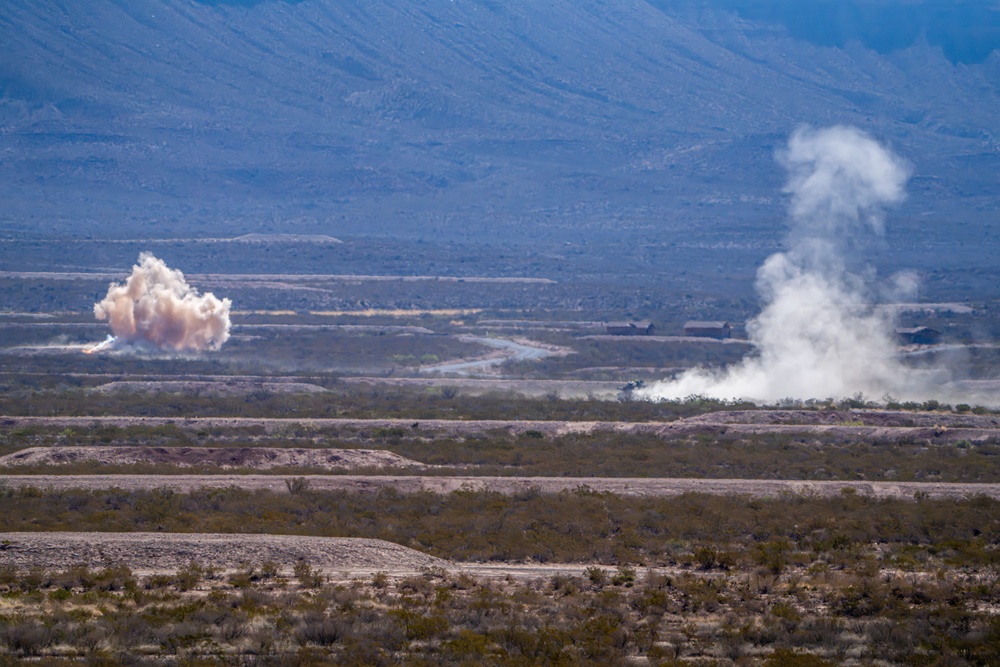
(625, 486)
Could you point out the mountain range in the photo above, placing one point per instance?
(561, 121)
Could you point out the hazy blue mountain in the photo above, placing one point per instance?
(563, 119)
(967, 31)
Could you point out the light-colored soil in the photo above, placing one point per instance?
(669, 339)
(167, 552)
(624, 486)
(339, 558)
(255, 458)
(256, 278)
(447, 427)
(504, 350)
(888, 418)
(810, 426)
(286, 238)
(851, 425)
(208, 388)
(479, 386)
(816, 433)
(346, 328)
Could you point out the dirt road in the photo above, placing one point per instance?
(506, 350)
(625, 486)
(843, 425)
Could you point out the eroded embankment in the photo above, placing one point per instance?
(165, 552)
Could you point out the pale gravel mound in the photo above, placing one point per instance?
(209, 388)
(166, 552)
(257, 458)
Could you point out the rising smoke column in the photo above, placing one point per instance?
(819, 334)
(156, 307)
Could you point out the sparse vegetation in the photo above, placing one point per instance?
(695, 580)
(779, 455)
(864, 612)
(579, 526)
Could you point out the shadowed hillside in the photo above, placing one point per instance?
(565, 120)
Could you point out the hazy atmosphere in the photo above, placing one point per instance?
(820, 333)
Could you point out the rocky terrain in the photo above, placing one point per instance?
(254, 458)
(166, 552)
(586, 120)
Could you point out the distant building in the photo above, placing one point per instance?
(719, 330)
(630, 328)
(918, 335)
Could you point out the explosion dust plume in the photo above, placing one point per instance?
(156, 307)
(819, 334)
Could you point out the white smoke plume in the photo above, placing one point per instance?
(819, 335)
(155, 307)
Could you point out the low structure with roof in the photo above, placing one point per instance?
(630, 328)
(707, 329)
(918, 335)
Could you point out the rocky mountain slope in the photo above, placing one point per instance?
(569, 119)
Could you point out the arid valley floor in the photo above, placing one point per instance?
(461, 488)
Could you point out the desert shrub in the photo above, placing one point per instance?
(786, 658)
(113, 578)
(447, 619)
(307, 575)
(188, 576)
(27, 638)
(297, 485)
(269, 569)
(705, 557)
(772, 554)
(322, 630)
(596, 575)
(418, 626)
(625, 576)
(580, 526)
(866, 598)
(244, 577)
